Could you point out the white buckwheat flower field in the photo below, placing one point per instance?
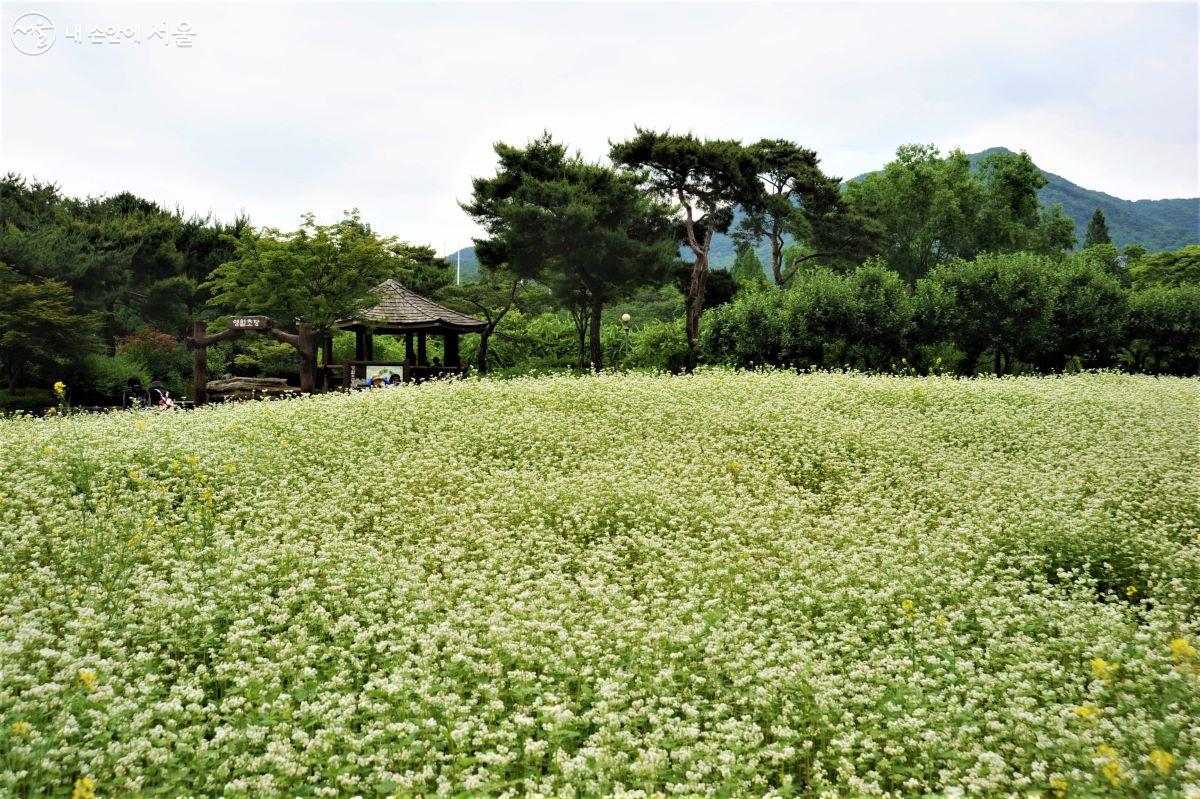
(819, 585)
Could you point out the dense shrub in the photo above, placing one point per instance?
(102, 379)
(1002, 305)
(1015, 312)
(657, 345)
(21, 401)
(1164, 329)
(823, 319)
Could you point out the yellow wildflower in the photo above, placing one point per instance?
(1110, 766)
(141, 424)
(87, 678)
(47, 449)
(1087, 712)
(135, 475)
(1131, 591)
(85, 788)
(1161, 760)
(734, 468)
(1102, 669)
(1181, 650)
(51, 411)
(1059, 786)
(60, 387)
(21, 729)
(907, 606)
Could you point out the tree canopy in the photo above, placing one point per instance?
(585, 230)
(933, 210)
(708, 178)
(1097, 231)
(316, 274)
(799, 202)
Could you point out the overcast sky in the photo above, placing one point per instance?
(283, 108)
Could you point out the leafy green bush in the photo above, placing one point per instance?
(823, 319)
(102, 379)
(661, 346)
(1164, 328)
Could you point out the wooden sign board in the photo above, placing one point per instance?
(249, 322)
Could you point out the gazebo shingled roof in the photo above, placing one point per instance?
(400, 310)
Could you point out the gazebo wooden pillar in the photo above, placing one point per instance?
(450, 347)
(326, 360)
(422, 355)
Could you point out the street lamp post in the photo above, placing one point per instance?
(625, 323)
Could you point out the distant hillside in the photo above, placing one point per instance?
(1155, 224)
(470, 264)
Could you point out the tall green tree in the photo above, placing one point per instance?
(747, 270)
(708, 178)
(801, 203)
(585, 230)
(491, 297)
(419, 268)
(1164, 329)
(1171, 268)
(38, 326)
(1097, 231)
(934, 210)
(998, 303)
(316, 274)
(1089, 315)
(205, 243)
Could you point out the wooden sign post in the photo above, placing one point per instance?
(303, 340)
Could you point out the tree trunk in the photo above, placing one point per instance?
(695, 307)
(306, 344)
(484, 335)
(597, 351)
(777, 260)
(581, 317)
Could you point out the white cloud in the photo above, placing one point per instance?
(286, 107)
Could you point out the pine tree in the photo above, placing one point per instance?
(1097, 232)
(747, 270)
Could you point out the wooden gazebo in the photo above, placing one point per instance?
(401, 312)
